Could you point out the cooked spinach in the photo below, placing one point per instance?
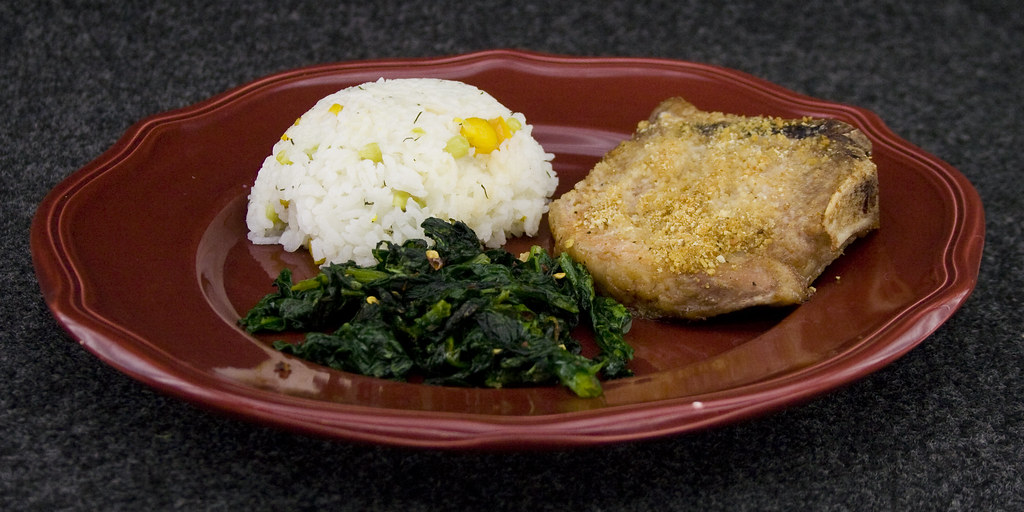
(454, 313)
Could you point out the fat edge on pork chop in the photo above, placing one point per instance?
(704, 213)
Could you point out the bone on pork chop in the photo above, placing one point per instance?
(703, 213)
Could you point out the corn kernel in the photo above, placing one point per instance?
(335, 109)
(501, 129)
(480, 134)
(400, 198)
(457, 146)
(434, 259)
(272, 214)
(371, 152)
(283, 159)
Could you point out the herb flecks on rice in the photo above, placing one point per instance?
(372, 162)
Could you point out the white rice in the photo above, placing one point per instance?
(315, 191)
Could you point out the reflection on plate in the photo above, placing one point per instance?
(163, 210)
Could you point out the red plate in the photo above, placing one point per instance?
(142, 257)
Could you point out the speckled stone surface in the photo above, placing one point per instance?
(940, 429)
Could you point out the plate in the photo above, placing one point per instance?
(141, 256)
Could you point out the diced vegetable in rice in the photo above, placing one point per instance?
(371, 162)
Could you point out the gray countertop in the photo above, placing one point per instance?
(942, 428)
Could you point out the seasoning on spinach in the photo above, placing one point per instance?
(454, 313)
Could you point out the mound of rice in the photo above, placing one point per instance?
(371, 162)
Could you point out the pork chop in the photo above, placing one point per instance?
(703, 213)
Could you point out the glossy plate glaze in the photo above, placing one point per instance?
(142, 257)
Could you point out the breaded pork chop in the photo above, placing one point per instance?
(703, 213)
